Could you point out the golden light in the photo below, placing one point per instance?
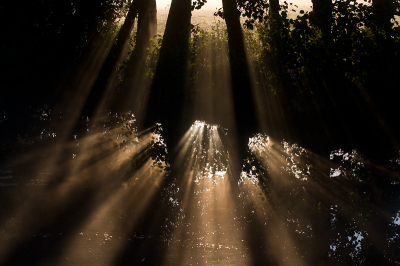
(208, 231)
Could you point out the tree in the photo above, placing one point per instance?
(241, 84)
(273, 7)
(322, 16)
(167, 94)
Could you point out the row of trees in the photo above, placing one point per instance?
(335, 70)
(333, 25)
(298, 56)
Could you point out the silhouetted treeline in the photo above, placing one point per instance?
(334, 69)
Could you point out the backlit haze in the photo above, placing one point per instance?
(205, 16)
(213, 4)
(198, 142)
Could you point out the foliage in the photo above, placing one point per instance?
(200, 42)
(322, 77)
(152, 55)
(358, 46)
(336, 210)
(198, 4)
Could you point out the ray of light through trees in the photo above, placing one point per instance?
(193, 133)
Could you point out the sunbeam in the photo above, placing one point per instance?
(69, 203)
(178, 132)
(207, 231)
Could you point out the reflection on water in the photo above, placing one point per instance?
(109, 196)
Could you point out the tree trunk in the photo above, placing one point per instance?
(245, 114)
(168, 89)
(322, 16)
(114, 57)
(273, 7)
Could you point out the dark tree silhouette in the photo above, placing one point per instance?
(168, 89)
(241, 84)
(273, 7)
(322, 16)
